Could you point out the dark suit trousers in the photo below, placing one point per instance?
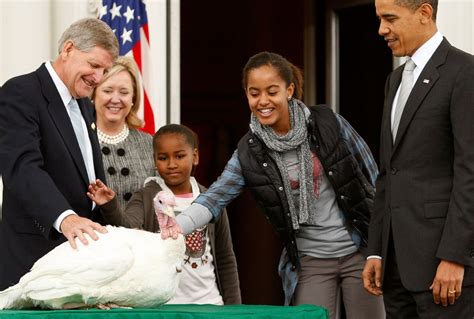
(401, 303)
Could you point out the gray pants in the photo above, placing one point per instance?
(320, 279)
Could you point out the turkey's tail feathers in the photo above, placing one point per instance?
(10, 297)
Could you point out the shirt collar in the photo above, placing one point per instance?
(59, 84)
(424, 53)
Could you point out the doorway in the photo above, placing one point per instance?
(364, 63)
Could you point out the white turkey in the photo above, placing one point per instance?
(125, 268)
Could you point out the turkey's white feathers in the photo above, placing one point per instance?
(126, 267)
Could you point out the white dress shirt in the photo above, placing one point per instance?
(420, 57)
(66, 97)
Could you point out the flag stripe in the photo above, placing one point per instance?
(148, 116)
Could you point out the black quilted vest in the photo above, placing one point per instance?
(353, 190)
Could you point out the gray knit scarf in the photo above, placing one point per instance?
(296, 138)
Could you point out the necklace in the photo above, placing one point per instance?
(113, 139)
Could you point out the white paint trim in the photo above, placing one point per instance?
(175, 62)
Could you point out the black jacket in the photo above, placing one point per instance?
(425, 201)
(353, 190)
(43, 171)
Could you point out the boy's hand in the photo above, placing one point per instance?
(100, 193)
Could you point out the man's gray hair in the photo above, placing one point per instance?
(88, 33)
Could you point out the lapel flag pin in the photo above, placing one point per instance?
(93, 126)
(426, 81)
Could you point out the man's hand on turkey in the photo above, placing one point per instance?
(164, 203)
(75, 226)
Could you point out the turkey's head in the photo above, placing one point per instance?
(164, 203)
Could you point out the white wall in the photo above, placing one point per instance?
(25, 36)
(455, 22)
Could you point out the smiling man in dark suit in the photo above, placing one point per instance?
(421, 233)
(49, 152)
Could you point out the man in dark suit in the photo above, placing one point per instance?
(421, 233)
(49, 152)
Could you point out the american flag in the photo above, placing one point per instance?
(128, 20)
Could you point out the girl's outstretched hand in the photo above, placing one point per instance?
(100, 193)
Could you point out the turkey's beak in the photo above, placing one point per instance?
(169, 210)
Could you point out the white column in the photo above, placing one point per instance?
(157, 28)
(25, 36)
(64, 13)
(454, 21)
(163, 26)
(175, 62)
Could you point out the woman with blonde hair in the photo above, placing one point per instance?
(125, 149)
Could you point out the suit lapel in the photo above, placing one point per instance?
(61, 119)
(422, 87)
(393, 83)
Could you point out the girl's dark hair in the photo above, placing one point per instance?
(189, 135)
(287, 70)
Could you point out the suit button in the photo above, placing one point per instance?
(330, 173)
(111, 170)
(394, 171)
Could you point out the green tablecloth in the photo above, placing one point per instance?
(178, 312)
